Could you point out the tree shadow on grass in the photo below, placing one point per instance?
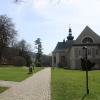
(84, 96)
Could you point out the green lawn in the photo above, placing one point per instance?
(2, 89)
(70, 85)
(11, 73)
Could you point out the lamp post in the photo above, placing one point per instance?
(85, 58)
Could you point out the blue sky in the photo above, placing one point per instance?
(50, 19)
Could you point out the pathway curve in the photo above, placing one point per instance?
(36, 87)
(8, 83)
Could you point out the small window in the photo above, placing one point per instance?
(76, 52)
(97, 52)
(87, 40)
(93, 52)
(89, 51)
(54, 59)
(79, 52)
(63, 59)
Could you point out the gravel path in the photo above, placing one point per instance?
(36, 87)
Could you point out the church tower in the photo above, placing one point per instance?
(70, 37)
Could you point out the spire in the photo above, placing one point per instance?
(70, 30)
(70, 37)
(64, 41)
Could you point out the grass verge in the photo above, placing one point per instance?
(2, 89)
(71, 85)
(11, 73)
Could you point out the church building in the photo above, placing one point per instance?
(68, 53)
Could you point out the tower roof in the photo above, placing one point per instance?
(70, 37)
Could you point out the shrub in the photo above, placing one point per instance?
(87, 63)
(38, 64)
(19, 61)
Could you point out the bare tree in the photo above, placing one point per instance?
(22, 45)
(24, 50)
(7, 32)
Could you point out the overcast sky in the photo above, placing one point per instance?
(50, 19)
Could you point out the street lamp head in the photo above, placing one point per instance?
(85, 47)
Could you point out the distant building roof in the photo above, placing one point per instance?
(61, 46)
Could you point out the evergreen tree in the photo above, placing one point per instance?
(38, 61)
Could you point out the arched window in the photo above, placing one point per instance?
(87, 40)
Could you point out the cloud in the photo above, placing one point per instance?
(40, 4)
(76, 11)
(63, 10)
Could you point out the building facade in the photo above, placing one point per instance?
(69, 52)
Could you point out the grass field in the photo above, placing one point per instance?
(15, 73)
(2, 89)
(70, 85)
